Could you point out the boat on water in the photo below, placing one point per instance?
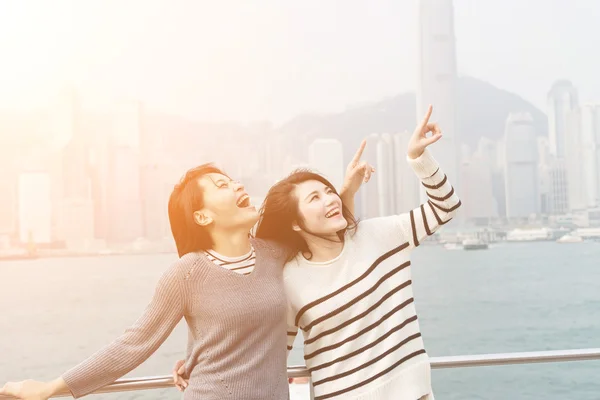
(529, 235)
(568, 238)
(474, 244)
(452, 246)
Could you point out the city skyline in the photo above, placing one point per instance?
(108, 176)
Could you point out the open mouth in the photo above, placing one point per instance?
(243, 201)
(333, 213)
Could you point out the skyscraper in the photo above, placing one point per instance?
(590, 132)
(583, 157)
(66, 123)
(35, 207)
(521, 166)
(437, 79)
(562, 99)
(385, 175)
(123, 187)
(478, 182)
(8, 200)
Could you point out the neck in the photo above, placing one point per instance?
(324, 249)
(231, 243)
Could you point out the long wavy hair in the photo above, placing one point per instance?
(280, 210)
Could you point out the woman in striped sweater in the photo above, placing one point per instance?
(349, 287)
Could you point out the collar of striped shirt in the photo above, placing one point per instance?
(243, 264)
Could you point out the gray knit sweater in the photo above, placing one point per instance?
(237, 329)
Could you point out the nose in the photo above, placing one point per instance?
(330, 199)
(237, 186)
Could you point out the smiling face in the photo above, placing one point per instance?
(319, 209)
(226, 205)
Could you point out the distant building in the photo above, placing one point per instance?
(521, 166)
(438, 80)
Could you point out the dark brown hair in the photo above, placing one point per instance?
(280, 210)
(185, 199)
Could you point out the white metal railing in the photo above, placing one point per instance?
(483, 360)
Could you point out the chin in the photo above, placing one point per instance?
(336, 227)
(342, 225)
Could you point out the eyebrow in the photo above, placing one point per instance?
(215, 182)
(310, 194)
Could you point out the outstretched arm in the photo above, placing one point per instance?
(121, 356)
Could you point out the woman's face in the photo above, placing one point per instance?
(226, 203)
(320, 209)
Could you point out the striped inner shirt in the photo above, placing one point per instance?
(242, 265)
(357, 312)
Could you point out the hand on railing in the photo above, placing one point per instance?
(179, 378)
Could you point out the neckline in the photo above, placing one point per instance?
(230, 260)
(227, 271)
(308, 263)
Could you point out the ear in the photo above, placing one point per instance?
(296, 227)
(202, 219)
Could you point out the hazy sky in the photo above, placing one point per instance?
(273, 59)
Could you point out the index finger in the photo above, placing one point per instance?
(427, 115)
(359, 152)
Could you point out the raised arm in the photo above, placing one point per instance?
(124, 354)
(442, 202)
(357, 173)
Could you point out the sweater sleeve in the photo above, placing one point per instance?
(440, 208)
(135, 345)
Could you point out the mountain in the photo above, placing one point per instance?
(481, 111)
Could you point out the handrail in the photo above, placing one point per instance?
(300, 371)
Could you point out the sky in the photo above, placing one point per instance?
(273, 59)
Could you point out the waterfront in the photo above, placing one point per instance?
(512, 297)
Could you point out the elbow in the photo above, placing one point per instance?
(455, 208)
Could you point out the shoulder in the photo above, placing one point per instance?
(271, 249)
(374, 228)
(380, 233)
(185, 268)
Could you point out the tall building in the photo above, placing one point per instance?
(590, 132)
(437, 79)
(153, 182)
(553, 183)
(521, 166)
(385, 175)
(124, 203)
(477, 177)
(8, 201)
(327, 157)
(559, 187)
(35, 207)
(562, 99)
(66, 124)
(583, 157)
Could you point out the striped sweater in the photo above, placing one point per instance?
(357, 312)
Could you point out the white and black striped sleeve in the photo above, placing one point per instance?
(441, 206)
